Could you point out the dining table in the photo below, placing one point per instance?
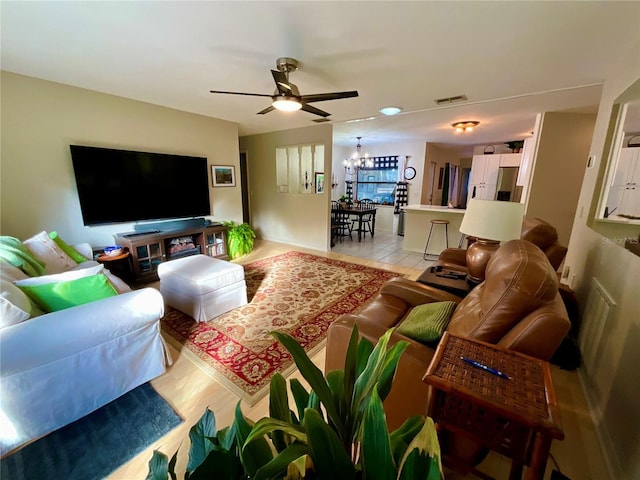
(360, 212)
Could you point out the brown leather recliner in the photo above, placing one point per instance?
(517, 307)
(535, 230)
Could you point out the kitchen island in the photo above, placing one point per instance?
(417, 222)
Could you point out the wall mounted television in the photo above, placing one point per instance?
(118, 186)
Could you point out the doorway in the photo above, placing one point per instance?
(244, 187)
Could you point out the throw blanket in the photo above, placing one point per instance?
(14, 252)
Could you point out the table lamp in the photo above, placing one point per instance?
(492, 222)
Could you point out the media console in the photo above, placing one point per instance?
(148, 250)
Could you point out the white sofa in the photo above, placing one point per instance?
(58, 367)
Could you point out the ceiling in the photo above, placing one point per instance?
(511, 59)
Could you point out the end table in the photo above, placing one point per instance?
(119, 265)
(451, 281)
(516, 416)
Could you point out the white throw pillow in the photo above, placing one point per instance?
(49, 253)
(61, 277)
(118, 284)
(15, 306)
(10, 273)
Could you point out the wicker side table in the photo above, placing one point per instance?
(516, 416)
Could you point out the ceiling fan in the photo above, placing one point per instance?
(287, 96)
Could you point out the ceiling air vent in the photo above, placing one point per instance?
(321, 120)
(457, 98)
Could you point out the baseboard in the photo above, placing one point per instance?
(612, 462)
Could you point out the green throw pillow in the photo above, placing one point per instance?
(66, 248)
(52, 297)
(426, 323)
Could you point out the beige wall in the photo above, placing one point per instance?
(563, 149)
(441, 155)
(296, 219)
(41, 119)
(615, 390)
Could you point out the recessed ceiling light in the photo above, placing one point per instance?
(390, 110)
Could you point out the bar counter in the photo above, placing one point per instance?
(417, 222)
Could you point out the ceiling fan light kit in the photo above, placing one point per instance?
(287, 97)
(465, 126)
(286, 104)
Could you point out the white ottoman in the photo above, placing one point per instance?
(202, 287)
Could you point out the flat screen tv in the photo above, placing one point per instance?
(117, 186)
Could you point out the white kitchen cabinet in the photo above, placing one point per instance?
(483, 181)
(510, 159)
(624, 193)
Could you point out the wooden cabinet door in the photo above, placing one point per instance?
(478, 165)
(626, 167)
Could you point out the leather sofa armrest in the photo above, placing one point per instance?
(453, 256)
(415, 293)
(556, 253)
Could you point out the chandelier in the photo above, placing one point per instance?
(357, 160)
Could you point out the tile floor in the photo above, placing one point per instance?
(384, 247)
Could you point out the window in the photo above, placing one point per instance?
(378, 183)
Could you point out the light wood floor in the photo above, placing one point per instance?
(190, 391)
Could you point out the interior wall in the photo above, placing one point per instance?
(441, 155)
(614, 390)
(41, 119)
(295, 219)
(563, 149)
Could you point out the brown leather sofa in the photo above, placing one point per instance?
(535, 230)
(517, 307)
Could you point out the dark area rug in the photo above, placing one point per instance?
(96, 445)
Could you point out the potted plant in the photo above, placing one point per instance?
(240, 239)
(344, 200)
(515, 145)
(337, 431)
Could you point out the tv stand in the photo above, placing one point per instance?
(149, 249)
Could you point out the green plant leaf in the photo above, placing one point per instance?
(350, 366)
(389, 368)
(226, 438)
(219, 464)
(377, 461)
(415, 466)
(330, 460)
(200, 436)
(402, 436)
(267, 425)
(314, 401)
(277, 467)
(158, 466)
(279, 408)
(255, 455)
(365, 348)
(300, 396)
(313, 375)
(427, 446)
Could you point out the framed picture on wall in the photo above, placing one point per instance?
(319, 181)
(223, 175)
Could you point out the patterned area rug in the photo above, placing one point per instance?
(295, 292)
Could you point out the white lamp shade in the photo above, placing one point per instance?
(493, 220)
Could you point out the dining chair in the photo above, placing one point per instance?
(364, 204)
(340, 224)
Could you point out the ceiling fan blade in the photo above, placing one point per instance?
(266, 110)
(320, 97)
(241, 93)
(314, 110)
(282, 83)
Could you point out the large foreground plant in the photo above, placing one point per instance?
(337, 431)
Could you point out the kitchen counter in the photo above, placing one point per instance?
(417, 223)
